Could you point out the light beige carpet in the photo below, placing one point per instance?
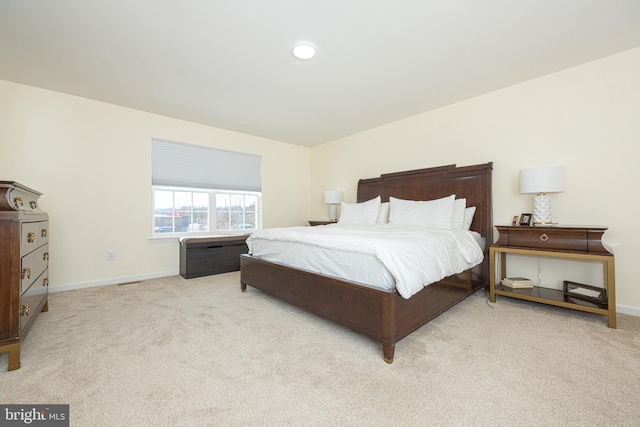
(175, 352)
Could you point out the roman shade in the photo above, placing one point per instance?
(177, 164)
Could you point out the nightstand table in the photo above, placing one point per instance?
(314, 223)
(568, 242)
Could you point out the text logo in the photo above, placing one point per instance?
(34, 415)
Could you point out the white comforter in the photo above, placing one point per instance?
(415, 256)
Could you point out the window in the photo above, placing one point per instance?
(235, 211)
(185, 211)
(203, 190)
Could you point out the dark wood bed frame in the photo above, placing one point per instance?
(387, 317)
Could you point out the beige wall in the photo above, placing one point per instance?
(92, 161)
(586, 118)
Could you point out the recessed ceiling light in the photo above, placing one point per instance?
(304, 51)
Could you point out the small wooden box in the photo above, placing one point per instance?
(211, 255)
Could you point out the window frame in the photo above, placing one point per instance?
(212, 193)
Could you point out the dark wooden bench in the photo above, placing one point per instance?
(204, 256)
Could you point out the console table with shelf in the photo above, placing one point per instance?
(564, 242)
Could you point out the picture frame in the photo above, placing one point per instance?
(525, 219)
(585, 292)
(514, 222)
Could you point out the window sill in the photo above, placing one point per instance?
(174, 238)
(171, 239)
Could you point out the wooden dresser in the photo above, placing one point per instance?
(24, 263)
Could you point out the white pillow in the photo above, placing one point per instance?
(360, 213)
(468, 217)
(432, 213)
(458, 213)
(383, 215)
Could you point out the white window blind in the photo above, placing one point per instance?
(185, 165)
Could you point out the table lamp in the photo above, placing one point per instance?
(541, 181)
(333, 198)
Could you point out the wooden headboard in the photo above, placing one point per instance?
(470, 182)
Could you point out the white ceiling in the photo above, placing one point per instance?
(228, 63)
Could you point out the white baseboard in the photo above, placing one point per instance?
(628, 309)
(112, 281)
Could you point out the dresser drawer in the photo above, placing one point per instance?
(23, 199)
(33, 235)
(32, 266)
(557, 238)
(32, 300)
(549, 239)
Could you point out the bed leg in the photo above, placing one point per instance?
(243, 287)
(388, 350)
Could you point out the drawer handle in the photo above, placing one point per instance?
(544, 237)
(24, 310)
(31, 237)
(45, 257)
(45, 281)
(33, 204)
(18, 201)
(43, 233)
(26, 272)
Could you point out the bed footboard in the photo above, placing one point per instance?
(351, 305)
(386, 317)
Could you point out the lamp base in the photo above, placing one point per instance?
(541, 209)
(333, 213)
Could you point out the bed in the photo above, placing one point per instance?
(383, 315)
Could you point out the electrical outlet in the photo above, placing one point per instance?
(111, 255)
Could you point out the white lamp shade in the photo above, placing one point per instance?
(333, 197)
(542, 180)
